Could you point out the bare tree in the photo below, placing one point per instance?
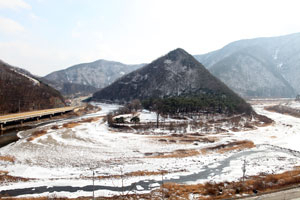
(157, 106)
(136, 104)
(244, 169)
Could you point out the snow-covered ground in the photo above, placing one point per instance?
(293, 104)
(67, 157)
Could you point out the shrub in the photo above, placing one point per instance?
(120, 120)
(109, 119)
(135, 119)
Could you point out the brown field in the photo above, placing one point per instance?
(74, 124)
(4, 178)
(8, 159)
(135, 173)
(180, 153)
(185, 138)
(261, 183)
(222, 148)
(71, 124)
(54, 127)
(3, 172)
(37, 134)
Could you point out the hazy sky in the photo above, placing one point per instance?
(47, 35)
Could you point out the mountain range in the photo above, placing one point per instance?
(260, 67)
(87, 78)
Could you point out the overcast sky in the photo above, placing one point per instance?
(48, 35)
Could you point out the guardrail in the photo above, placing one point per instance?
(27, 115)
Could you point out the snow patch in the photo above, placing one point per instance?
(34, 81)
(168, 61)
(275, 55)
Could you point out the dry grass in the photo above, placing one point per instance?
(55, 127)
(4, 178)
(91, 119)
(41, 198)
(263, 121)
(180, 153)
(71, 124)
(210, 191)
(77, 123)
(222, 148)
(36, 134)
(3, 172)
(135, 174)
(240, 145)
(285, 110)
(185, 138)
(7, 159)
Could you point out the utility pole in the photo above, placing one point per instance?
(244, 170)
(93, 185)
(162, 184)
(122, 182)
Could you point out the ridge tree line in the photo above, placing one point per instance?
(206, 103)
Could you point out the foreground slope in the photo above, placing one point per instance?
(21, 91)
(178, 76)
(275, 62)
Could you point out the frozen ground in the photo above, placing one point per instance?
(61, 162)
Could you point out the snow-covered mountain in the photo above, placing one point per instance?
(177, 74)
(96, 74)
(21, 90)
(261, 67)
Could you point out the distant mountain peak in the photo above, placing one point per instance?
(259, 67)
(86, 78)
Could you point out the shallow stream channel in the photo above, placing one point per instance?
(205, 174)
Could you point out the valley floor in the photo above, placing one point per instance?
(59, 159)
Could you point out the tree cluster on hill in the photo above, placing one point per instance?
(197, 104)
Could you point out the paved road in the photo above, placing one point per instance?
(292, 194)
(25, 115)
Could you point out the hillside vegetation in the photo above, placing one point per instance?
(21, 92)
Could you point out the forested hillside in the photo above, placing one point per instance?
(22, 92)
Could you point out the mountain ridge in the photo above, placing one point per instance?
(92, 75)
(281, 57)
